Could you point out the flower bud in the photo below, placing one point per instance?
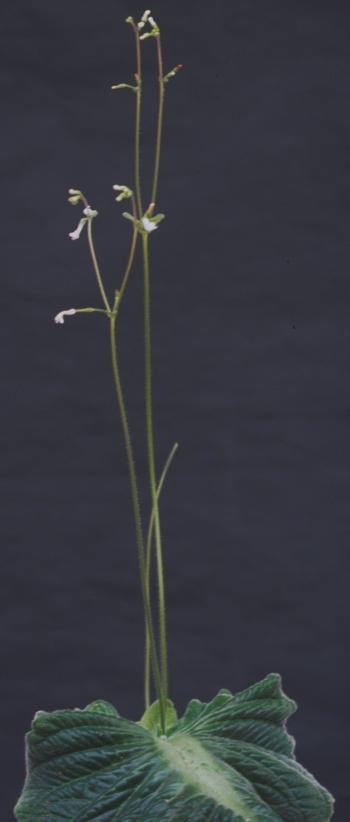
(125, 192)
(75, 196)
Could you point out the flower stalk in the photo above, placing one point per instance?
(159, 119)
(143, 224)
(152, 469)
(137, 138)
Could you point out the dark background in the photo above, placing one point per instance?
(251, 301)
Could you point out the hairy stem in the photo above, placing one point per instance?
(152, 469)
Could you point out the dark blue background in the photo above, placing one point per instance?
(251, 301)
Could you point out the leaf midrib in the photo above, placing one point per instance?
(203, 771)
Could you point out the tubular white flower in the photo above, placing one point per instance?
(59, 319)
(89, 212)
(74, 235)
(74, 191)
(152, 21)
(148, 225)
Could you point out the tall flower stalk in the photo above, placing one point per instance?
(143, 224)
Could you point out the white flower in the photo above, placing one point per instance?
(152, 21)
(148, 224)
(89, 212)
(59, 319)
(74, 191)
(74, 235)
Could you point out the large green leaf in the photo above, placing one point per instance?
(230, 759)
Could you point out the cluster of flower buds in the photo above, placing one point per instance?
(125, 192)
(148, 19)
(75, 197)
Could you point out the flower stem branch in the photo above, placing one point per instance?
(159, 119)
(137, 156)
(96, 266)
(131, 254)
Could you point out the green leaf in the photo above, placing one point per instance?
(230, 760)
(151, 719)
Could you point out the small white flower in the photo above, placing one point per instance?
(152, 21)
(89, 212)
(148, 224)
(59, 319)
(74, 191)
(140, 25)
(74, 235)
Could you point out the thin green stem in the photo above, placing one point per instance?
(137, 517)
(150, 532)
(130, 459)
(137, 153)
(91, 311)
(96, 265)
(159, 120)
(131, 254)
(152, 470)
